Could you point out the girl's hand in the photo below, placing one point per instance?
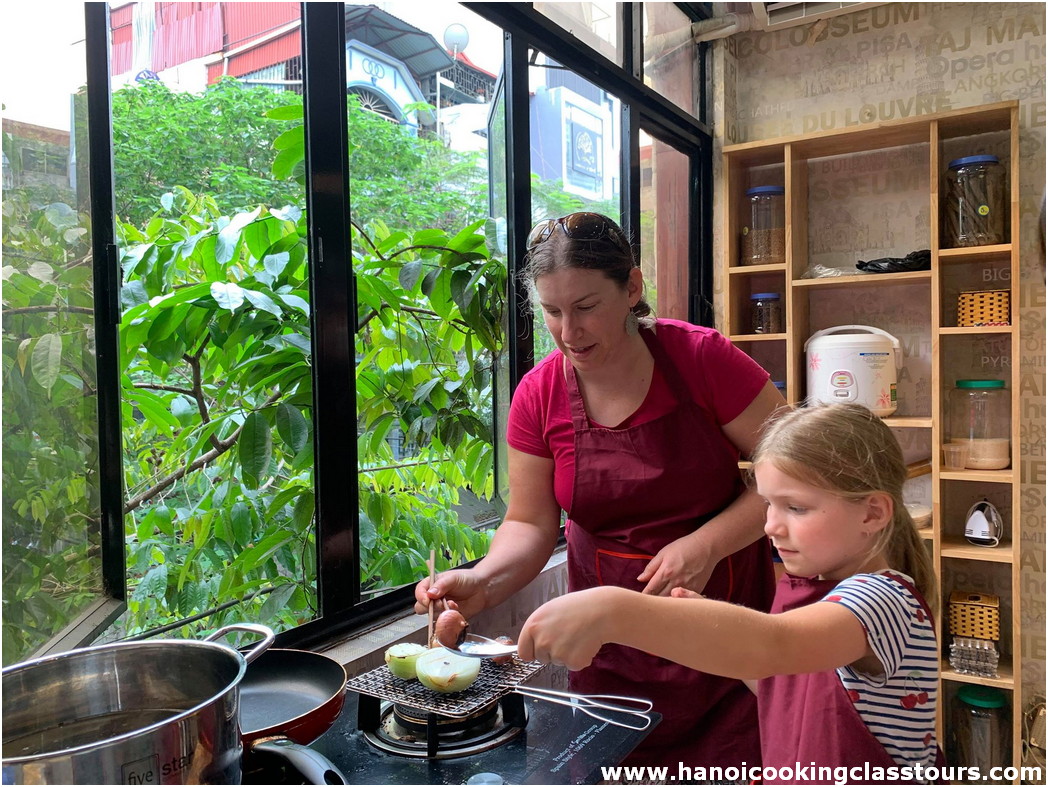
(685, 593)
(569, 630)
(685, 563)
(461, 587)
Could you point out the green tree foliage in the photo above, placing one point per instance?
(221, 142)
(215, 359)
(50, 500)
(217, 142)
(215, 343)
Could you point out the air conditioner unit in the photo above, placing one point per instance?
(776, 16)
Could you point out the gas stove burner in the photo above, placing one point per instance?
(417, 720)
(411, 732)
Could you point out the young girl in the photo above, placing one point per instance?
(846, 663)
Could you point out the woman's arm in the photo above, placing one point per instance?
(689, 561)
(521, 546)
(713, 636)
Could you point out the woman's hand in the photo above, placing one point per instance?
(463, 587)
(569, 630)
(686, 562)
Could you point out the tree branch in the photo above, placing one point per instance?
(221, 447)
(171, 388)
(45, 309)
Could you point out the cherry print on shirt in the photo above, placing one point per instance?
(833, 598)
(914, 698)
(920, 615)
(853, 695)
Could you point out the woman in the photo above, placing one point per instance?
(634, 427)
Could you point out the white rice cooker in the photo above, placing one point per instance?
(861, 366)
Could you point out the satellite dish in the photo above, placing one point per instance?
(456, 37)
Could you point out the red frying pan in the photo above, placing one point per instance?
(288, 699)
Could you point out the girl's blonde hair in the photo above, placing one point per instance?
(847, 450)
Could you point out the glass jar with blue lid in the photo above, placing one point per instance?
(763, 234)
(974, 205)
(766, 313)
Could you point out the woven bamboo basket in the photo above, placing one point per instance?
(975, 615)
(983, 307)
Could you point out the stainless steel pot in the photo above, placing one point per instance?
(161, 712)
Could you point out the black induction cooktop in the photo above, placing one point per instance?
(557, 746)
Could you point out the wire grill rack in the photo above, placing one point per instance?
(494, 682)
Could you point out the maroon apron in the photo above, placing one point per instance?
(809, 718)
(636, 490)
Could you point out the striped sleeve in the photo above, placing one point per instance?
(884, 612)
(898, 707)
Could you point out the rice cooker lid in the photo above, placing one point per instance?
(852, 340)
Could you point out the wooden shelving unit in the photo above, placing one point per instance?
(936, 139)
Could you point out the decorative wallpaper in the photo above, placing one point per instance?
(903, 60)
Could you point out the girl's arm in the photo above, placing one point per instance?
(712, 636)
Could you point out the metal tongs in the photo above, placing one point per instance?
(590, 704)
(633, 712)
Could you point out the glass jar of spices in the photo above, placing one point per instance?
(766, 313)
(979, 419)
(974, 209)
(763, 239)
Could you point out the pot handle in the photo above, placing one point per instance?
(312, 765)
(263, 631)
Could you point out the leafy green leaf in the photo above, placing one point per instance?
(255, 449)
(227, 295)
(262, 301)
(292, 426)
(47, 360)
(276, 601)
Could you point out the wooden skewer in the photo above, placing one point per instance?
(432, 602)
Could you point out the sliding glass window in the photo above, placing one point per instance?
(257, 342)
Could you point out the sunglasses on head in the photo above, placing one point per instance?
(577, 226)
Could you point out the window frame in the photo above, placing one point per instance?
(334, 306)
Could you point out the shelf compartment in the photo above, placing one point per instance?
(758, 337)
(974, 253)
(740, 270)
(864, 280)
(908, 422)
(976, 330)
(1005, 676)
(988, 476)
(959, 549)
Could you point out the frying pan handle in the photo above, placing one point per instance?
(314, 766)
(263, 631)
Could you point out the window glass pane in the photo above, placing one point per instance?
(215, 334)
(664, 226)
(595, 24)
(499, 196)
(51, 513)
(576, 150)
(431, 293)
(671, 65)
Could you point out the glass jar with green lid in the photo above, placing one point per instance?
(979, 733)
(979, 417)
